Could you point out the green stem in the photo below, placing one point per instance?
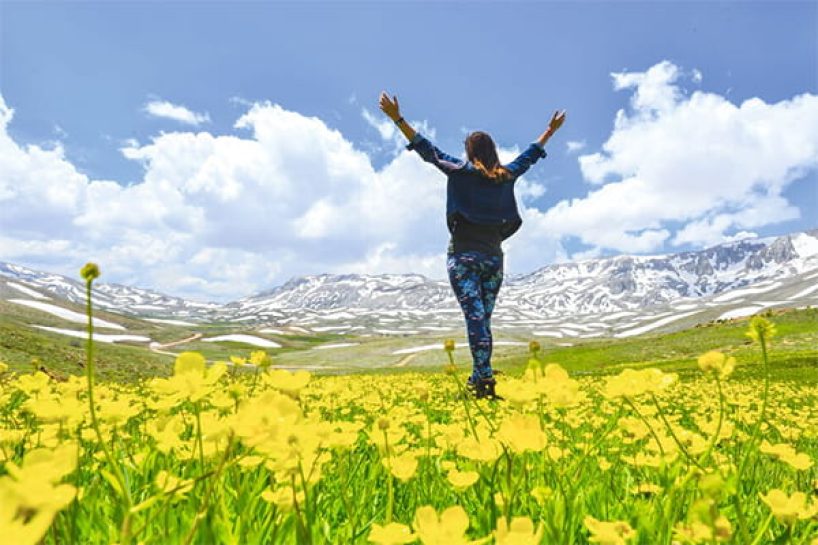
(125, 533)
(462, 393)
(753, 438)
(764, 527)
(650, 428)
(199, 435)
(206, 502)
(672, 433)
(715, 437)
(389, 490)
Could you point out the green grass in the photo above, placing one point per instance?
(794, 351)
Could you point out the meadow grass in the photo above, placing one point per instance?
(637, 455)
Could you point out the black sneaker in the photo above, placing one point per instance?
(485, 388)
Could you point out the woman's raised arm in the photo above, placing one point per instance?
(428, 152)
(556, 122)
(392, 109)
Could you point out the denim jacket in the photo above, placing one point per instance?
(471, 194)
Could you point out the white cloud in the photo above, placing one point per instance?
(698, 160)
(574, 146)
(385, 126)
(223, 215)
(220, 216)
(176, 112)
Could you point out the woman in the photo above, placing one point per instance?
(481, 212)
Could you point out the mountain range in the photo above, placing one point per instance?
(615, 296)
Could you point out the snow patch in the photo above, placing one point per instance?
(805, 245)
(740, 312)
(336, 345)
(247, 339)
(275, 331)
(654, 325)
(103, 338)
(323, 328)
(171, 322)
(66, 314)
(805, 292)
(735, 294)
(556, 334)
(28, 291)
(436, 346)
(439, 346)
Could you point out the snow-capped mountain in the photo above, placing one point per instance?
(602, 296)
(17, 281)
(587, 287)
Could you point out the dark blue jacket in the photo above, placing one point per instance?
(471, 194)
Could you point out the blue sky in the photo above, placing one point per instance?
(79, 77)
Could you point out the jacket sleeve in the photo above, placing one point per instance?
(432, 154)
(527, 158)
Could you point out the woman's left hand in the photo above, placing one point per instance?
(390, 107)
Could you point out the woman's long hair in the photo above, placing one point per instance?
(482, 152)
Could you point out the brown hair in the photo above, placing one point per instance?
(481, 151)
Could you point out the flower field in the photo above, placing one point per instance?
(213, 455)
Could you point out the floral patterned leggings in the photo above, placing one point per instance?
(476, 278)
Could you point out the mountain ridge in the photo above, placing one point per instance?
(600, 285)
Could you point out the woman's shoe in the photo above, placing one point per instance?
(484, 387)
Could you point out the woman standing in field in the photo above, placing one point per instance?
(481, 212)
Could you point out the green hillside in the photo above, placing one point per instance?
(794, 350)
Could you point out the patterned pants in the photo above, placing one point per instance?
(475, 278)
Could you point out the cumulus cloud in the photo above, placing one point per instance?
(176, 112)
(219, 216)
(695, 160)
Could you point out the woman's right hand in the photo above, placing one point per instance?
(556, 121)
(390, 107)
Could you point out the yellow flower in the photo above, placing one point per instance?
(533, 347)
(541, 494)
(30, 496)
(632, 383)
(695, 532)
(788, 509)
(189, 362)
(3, 367)
(175, 486)
(90, 272)
(487, 449)
(499, 500)
(21, 530)
(447, 529)
(786, 453)
(718, 363)
(391, 534)
(448, 345)
(283, 497)
(260, 358)
(236, 360)
(608, 533)
(461, 480)
(761, 328)
(518, 392)
(646, 489)
(520, 532)
(402, 466)
(521, 433)
(287, 382)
